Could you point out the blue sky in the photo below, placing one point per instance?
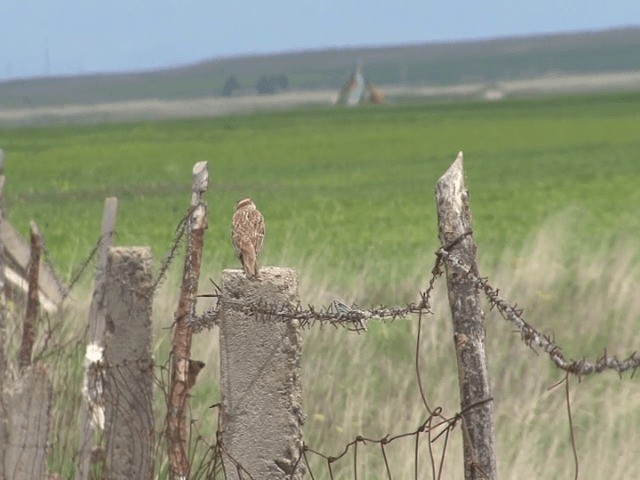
(60, 37)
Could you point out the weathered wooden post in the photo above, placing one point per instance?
(33, 299)
(91, 418)
(25, 403)
(177, 424)
(128, 369)
(454, 224)
(16, 248)
(260, 376)
(28, 401)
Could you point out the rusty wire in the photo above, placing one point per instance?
(355, 319)
(436, 425)
(571, 430)
(337, 314)
(82, 268)
(180, 232)
(46, 259)
(532, 336)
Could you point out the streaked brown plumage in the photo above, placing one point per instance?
(247, 235)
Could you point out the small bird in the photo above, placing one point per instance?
(247, 235)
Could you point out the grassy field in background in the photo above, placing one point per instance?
(348, 200)
(355, 186)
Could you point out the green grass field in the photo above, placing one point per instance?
(354, 185)
(348, 200)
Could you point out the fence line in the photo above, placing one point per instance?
(532, 336)
(215, 457)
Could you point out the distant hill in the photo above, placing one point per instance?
(436, 64)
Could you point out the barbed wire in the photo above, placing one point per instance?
(355, 319)
(46, 259)
(179, 236)
(86, 262)
(532, 336)
(75, 278)
(336, 314)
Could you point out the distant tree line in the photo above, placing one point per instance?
(265, 85)
(230, 85)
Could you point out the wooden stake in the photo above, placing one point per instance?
(33, 299)
(476, 402)
(177, 425)
(91, 418)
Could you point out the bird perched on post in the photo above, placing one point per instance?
(247, 235)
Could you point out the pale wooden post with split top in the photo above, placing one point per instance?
(476, 402)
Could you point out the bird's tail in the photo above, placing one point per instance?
(250, 265)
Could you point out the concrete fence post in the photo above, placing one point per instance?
(260, 374)
(128, 370)
(476, 402)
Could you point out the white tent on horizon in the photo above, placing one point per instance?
(358, 90)
(353, 91)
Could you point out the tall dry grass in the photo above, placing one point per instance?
(366, 384)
